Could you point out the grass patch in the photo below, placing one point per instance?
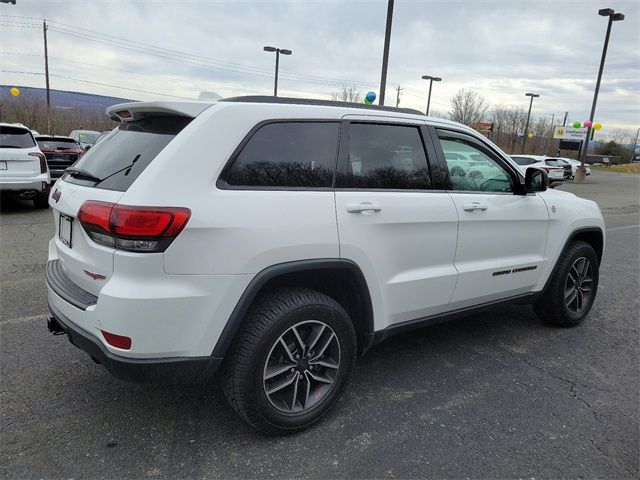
(624, 168)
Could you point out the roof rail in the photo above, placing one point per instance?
(313, 101)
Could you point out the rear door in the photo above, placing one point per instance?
(104, 173)
(18, 153)
(392, 220)
(502, 234)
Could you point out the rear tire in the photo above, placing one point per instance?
(572, 290)
(41, 201)
(294, 336)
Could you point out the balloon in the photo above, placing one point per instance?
(577, 124)
(367, 101)
(597, 126)
(14, 91)
(586, 124)
(530, 135)
(371, 97)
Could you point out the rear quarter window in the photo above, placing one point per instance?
(287, 154)
(126, 151)
(14, 137)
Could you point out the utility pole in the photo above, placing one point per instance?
(398, 90)
(46, 75)
(553, 116)
(526, 127)
(564, 122)
(385, 53)
(633, 147)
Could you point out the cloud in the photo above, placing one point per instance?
(501, 49)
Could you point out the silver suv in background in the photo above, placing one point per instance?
(23, 167)
(86, 138)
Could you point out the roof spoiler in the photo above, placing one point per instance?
(127, 112)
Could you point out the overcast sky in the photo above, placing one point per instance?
(500, 49)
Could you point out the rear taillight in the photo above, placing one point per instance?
(43, 161)
(136, 229)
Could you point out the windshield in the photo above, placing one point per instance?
(15, 137)
(123, 154)
(57, 143)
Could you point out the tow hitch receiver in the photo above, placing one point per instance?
(54, 327)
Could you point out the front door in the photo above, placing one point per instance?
(502, 234)
(392, 223)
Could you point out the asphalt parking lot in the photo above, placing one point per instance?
(494, 395)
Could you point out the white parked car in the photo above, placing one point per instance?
(574, 165)
(549, 165)
(310, 232)
(23, 167)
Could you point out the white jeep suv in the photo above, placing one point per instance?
(274, 240)
(23, 167)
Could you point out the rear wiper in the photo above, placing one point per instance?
(83, 174)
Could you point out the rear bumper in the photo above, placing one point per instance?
(147, 370)
(28, 184)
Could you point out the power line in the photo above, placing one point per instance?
(97, 83)
(139, 47)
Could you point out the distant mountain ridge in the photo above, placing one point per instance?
(63, 99)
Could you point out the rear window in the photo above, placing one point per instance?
(56, 143)
(122, 155)
(15, 137)
(523, 160)
(552, 163)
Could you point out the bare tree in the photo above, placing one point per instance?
(348, 94)
(32, 113)
(468, 107)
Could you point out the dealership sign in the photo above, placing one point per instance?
(569, 133)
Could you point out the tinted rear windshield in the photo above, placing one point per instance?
(14, 137)
(123, 154)
(56, 143)
(522, 160)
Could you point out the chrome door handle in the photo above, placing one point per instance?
(365, 208)
(470, 207)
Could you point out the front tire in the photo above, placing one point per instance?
(290, 360)
(572, 290)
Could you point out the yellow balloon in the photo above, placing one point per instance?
(530, 135)
(597, 126)
(14, 91)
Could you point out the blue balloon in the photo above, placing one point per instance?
(370, 96)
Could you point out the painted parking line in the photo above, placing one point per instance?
(622, 228)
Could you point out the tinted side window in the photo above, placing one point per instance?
(288, 154)
(475, 171)
(386, 156)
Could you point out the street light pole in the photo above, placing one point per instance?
(278, 51)
(385, 53)
(526, 127)
(613, 17)
(431, 80)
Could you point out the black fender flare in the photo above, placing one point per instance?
(270, 273)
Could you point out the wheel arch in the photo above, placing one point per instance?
(334, 277)
(594, 236)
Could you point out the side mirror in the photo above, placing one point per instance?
(87, 147)
(535, 180)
